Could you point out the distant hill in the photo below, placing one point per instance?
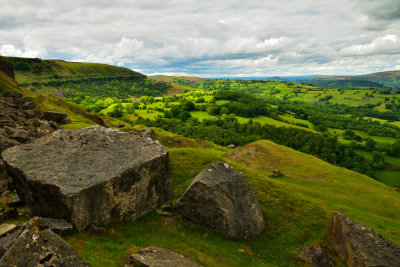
(76, 80)
(387, 79)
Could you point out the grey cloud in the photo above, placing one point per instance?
(240, 37)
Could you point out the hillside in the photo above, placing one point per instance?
(387, 79)
(77, 80)
(297, 207)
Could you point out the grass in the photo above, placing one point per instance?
(297, 207)
(391, 178)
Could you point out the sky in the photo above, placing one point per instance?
(209, 38)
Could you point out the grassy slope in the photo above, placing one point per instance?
(71, 70)
(297, 207)
(49, 102)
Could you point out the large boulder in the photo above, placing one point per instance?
(36, 245)
(221, 199)
(91, 175)
(160, 257)
(359, 245)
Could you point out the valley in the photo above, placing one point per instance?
(327, 143)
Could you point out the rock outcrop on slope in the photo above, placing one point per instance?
(359, 245)
(20, 122)
(36, 245)
(221, 199)
(161, 257)
(91, 175)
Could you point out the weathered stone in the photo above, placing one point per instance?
(316, 257)
(397, 189)
(231, 146)
(92, 175)
(39, 246)
(7, 240)
(58, 226)
(359, 245)
(96, 118)
(56, 116)
(221, 199)
(160, 257)
(6, 229)
(276, 172)
(146, 133)
(14, 201)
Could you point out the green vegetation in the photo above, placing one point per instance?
(84, 83)
(297, 207)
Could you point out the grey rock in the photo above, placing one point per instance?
(58, 226)
(14, 201)
(221, 199)
(160, 257)
(56, 116)
(276, 172)
(316, 257)
(359, 245)
(6, 229)
(231, 146)
(91, 176)
(39, 246)
(7, 240)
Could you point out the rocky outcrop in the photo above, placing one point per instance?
(36, 245)
(221, 199)
(316, 257)
(19, 123)
(359, 245)
(160, 257)
(56, 116)
(91, 175)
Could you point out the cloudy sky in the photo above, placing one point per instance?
(209, 38)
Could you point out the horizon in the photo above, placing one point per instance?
(212, 38)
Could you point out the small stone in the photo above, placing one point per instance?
(6, 229)
(276, 172)
(160, 257)
(58, 226)
(14, 201)
(316, 257)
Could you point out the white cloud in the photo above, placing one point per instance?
(208, 37)
(388, 44)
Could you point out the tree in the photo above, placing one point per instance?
(370, 144)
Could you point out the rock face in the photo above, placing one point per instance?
(221, 199)
(316, 257)
(160, 257)
(38, 246)
(358, 245)
(56, 116)
(92, 175)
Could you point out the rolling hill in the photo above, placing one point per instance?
(387, 79)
